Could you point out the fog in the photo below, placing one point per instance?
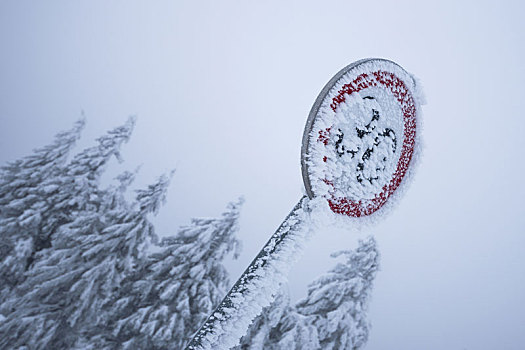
(222, 91)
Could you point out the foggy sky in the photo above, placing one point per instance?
(222, 91)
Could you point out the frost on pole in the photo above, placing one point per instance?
(360, 146)
(361, 138)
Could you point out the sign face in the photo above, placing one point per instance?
(360, 137)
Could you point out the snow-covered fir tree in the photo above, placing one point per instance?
(77, 188)
(162, 305)
(61, 206)
(24, 200)
(39, 194)
(85, 265)
(69, 285)
(332, 316)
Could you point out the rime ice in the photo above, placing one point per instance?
(362, 138)
(359, 142)
(332, 316)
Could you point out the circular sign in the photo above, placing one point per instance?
(360, 137)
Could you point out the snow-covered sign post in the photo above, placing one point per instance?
(360, 147)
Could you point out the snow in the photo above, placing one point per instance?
(23, 248)
(261, 282)
(332, 316)
(361, 152)
(365, 140)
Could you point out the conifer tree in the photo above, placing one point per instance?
(39, 194)
(77, 188)
(68, 286)
(23, 203)
(85, 280)
(332, 316)
(165, 303)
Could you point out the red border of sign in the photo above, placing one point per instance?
(404, 97)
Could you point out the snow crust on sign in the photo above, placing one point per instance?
(354, 149)
(257, 289)
(359, 142)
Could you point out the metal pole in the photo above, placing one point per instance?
(256, 287)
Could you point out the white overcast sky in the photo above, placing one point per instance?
(222, 90)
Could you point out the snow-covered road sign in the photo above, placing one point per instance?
(360, 144)
(361, 137)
